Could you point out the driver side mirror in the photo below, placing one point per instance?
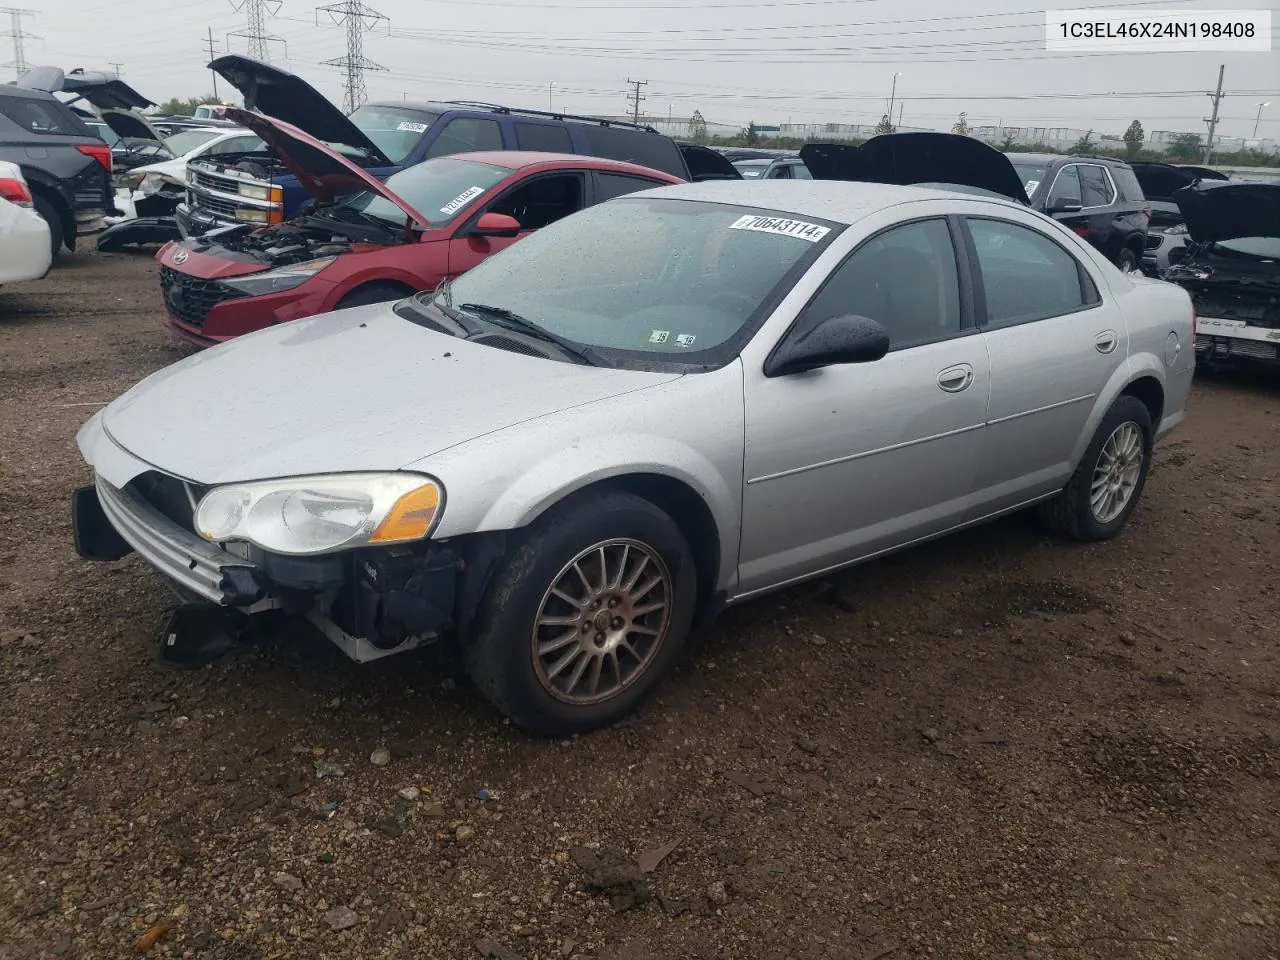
(496, 225)
(1068, 205)
(836, 340)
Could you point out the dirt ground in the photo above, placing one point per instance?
(997, 746)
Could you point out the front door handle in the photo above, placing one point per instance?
(1106, 341)
(957, 378)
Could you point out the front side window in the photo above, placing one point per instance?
(393, 130)
(466, 135)
(801, 172)
(905, 279)
(656, 278)
(1025, 275)
(542, 201)
(1096, 186)
(1066, 188)
(440, 190)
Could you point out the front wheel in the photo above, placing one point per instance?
(587, 612)
(1104, 491)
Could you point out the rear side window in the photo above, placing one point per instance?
(465, 135)
(1127, 183)
(610, 185)
(1025, 275)
(544, 137)
(37, 115)
(801, 172)
(1066, 186)
(1096, 186)
(635, 146)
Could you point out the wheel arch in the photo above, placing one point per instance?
(1142, 377)
(376, 281)
(53, 196)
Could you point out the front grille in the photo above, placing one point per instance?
(189, 298)
(1154, 241)
(211, 181)
(212, 205)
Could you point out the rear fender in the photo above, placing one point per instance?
(1137, 366)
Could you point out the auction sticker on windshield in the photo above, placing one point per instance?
(412, 126)
(781, 226)
(461, 200)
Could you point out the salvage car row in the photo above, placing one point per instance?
(455, 437)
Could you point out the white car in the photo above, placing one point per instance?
(25, 249)
(201, 142)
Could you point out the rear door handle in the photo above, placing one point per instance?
(1106, 341)
(957, 378)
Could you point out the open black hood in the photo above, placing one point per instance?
(907, 158)
(116, 102)
(278, 94)
(706, 164)
(1160, 180)
(1215, 210)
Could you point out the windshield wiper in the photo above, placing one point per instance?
(514, 321)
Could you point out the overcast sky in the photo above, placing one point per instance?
(771, 61)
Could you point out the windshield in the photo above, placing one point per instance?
(752, 169)
(1263, 248)
(183, 143)
(656, 278)
(1031, 175)
(393, 130)
(439, 189)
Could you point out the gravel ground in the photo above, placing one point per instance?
(996, 746)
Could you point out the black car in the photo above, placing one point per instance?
(779, 168)
(1097, 197)
(66, 166)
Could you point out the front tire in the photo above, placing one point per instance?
(1104, 491)
(588, 610)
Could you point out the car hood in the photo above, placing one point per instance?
(707, 164)
(359, 389)
(908, 158)
(1159, 180)
(291, 99)
(319, 168)
(1215, 210)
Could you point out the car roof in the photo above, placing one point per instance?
(521, 159)
(839, 201)
(1036, 157)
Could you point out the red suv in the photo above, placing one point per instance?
(428, 223)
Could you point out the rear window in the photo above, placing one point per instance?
(38, 115)
(635, 146)
(544, 137)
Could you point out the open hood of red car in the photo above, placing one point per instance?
(321, 169)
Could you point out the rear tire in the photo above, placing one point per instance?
(49, 214)
(1104, 491)
(585, 614)
(373, 293)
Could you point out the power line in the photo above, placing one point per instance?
(255, 29)
(358, 18)
(635, 97)
(213, 53)
(117, 66)
(15, 31)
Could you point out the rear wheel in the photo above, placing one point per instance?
(1104, 491)
(589, 609)
(49, 214)
(373, 293)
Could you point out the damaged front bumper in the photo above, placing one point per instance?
(371, 602)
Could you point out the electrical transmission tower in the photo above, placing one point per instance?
(255, 29)
(635, 97)
(15, 31)
(358, 18)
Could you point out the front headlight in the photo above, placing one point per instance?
(303, 516)
(279, 279)
(1177, 230)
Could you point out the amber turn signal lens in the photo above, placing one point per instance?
(411, 517)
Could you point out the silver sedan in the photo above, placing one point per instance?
(667, 403)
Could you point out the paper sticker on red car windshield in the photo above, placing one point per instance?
(456, 204)
(782, 226)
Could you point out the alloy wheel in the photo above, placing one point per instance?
(1115, 475)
